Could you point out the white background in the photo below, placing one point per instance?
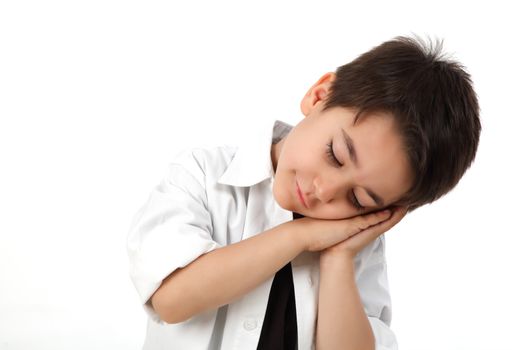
(97, 96)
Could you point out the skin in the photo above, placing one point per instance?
(328, 189)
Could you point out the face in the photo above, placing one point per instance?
(329, 168)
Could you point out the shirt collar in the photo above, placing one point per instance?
(252, 162)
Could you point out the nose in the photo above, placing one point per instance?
(326, 189)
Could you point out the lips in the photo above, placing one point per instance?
(300, 195)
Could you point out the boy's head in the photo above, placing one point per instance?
(413, 117)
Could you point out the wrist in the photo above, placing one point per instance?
(296, 237)
(330, 257)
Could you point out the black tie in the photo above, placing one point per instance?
(279, 330)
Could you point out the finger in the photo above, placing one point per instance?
(366, 236)
(397, 214)
(371, 219)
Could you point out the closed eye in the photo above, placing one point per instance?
(331, 155)
(355, 202)
(333, 159)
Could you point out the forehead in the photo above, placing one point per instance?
(383, 162)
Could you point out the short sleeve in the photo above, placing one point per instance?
(372, 282)
(169, 231)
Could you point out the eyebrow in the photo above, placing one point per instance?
(353, 156)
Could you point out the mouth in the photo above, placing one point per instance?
(300, 195)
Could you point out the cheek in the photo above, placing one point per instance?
(294, 162)
(302, 150)
(281, 192)
(309, 161)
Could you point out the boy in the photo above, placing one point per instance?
(277, 244)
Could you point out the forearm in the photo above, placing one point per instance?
(342, 322)
(222, 275)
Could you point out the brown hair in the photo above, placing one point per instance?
(434, 105)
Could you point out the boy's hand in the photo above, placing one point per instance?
(319, 234)
(353, 245)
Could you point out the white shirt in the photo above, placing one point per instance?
(215, 196)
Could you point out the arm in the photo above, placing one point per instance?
(178, 268)
(353, 311)
(201, 285)
(224, 274)
(342, 322)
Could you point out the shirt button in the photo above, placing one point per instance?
(310, 281)
(250, 325)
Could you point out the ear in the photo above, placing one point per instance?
(317, 94)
